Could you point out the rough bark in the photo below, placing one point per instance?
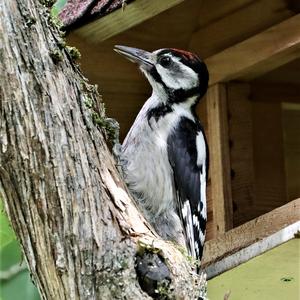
(80, 231)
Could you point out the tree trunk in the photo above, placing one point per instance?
(80, 231)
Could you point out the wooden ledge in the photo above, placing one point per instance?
(270, 229)
(121, 20)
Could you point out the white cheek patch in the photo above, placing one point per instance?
(185, 77)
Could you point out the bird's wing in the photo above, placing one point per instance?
(187, 151)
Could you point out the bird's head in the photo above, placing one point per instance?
(179, 74)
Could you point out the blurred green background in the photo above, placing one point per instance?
(15, 281)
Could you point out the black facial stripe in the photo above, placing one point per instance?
(158, 112)
(180, 95)
(175, 96)
(157, 77)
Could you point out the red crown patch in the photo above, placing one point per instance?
(188, 55)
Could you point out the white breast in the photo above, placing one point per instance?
(147, 169)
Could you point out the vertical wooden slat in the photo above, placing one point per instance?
(269, 167)
(291, 144)
(219, 158)
(241, 151)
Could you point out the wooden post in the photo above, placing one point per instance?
(219, 158)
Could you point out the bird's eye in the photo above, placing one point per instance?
(165, 61)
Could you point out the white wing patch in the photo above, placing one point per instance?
(202, 238)
(201, 148)
(201, 160)
(196, 222)
(187, 215)
(203, 192)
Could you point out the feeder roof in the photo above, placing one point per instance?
(75, 13)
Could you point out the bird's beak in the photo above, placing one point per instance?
(139, 56)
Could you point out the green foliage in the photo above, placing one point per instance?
(15, 281)
(57, 7)
(6, 233)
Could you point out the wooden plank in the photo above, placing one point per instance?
(219, 158)
(287, 74)
(253, 250)
(212, 11)
(257, 55)
(119, 20)
(251, 232)
(275, 92)
(241, 150)
(247, 19)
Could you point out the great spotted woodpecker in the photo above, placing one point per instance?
(165, 155)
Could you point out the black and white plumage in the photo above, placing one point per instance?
(165, 154)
